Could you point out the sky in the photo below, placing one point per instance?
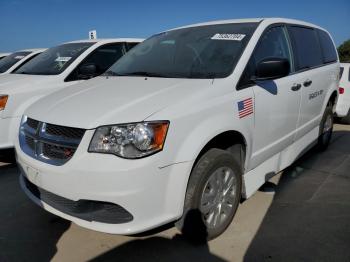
(46, 23)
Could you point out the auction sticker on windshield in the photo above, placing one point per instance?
(63, 59)
(232, 37)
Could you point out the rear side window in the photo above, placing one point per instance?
(328, 49)
(307, 50)
(341, 72)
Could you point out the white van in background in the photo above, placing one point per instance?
(56, 68)
(343, 105)
(13, 61)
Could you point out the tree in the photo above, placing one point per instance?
(344, 52)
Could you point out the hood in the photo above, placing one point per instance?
(12, 83)
(113, 100)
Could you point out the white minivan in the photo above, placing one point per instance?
(343, 105)
(182, 127)
(13, 61)
(57, 67)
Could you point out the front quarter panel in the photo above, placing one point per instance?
(195, 121)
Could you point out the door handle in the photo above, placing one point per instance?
(307, 83)
(296, 87)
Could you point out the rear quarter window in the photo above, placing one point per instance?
(327, 46)
(306, 46)
(341, 72)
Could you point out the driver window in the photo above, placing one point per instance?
(274, 43)
(103, 58)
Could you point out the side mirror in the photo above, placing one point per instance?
(272, 68)
(87, 71)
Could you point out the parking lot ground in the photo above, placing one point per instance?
(307, 219)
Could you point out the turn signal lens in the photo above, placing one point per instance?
(341, 90)
(160, 131)
(3, 101)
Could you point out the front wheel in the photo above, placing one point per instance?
(212, 197)
(326, 129)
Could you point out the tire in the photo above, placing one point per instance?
(326, 129)
(346, 119)
(210, 205)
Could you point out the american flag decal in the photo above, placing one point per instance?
(245, 107)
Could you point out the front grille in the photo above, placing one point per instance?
(66, 132)
(32, 123)
(49, 143)
(88, 210)
(58, 152)
(30, 142)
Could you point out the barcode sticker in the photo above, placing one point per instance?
(231, 37)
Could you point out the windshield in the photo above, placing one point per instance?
(54, 60)
(7, 62)
(197, 52)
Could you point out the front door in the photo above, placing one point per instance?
(277, 102)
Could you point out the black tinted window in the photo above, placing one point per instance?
(306, 47)
(103, 58)
(54, 60)
(328, 49)
(272, 44)
(341, 72)
(130, 45)
(7, 62)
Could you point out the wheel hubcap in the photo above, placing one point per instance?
(218, 197)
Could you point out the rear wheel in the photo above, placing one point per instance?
(212, 196)
(326, 128)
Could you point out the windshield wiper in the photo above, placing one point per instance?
(143, 73)
(30, 73)
(110, 73)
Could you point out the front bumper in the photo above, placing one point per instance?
(153, 195)
(8, 131)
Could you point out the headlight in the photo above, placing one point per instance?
(3, 101)
(134, 140)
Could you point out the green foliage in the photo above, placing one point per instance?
(344, 52)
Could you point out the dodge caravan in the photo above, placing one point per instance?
(182, 127)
